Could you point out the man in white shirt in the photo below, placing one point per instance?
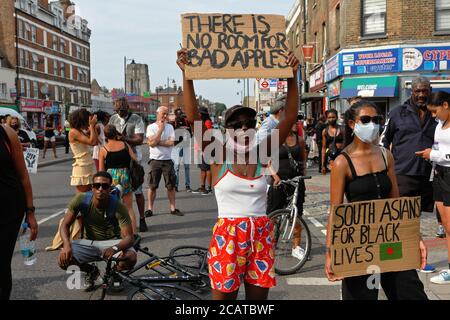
(276, 113)
(161, 139)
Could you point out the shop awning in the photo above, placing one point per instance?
(312, 96)
(15, 108)
(370, 87)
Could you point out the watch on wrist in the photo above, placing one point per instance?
(115, 248)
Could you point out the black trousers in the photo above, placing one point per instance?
(319, 146)
(8, 237)
(66, 142)
(413, 186)
(402, 285)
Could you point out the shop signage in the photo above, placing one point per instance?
(316, 80)
(31, 105)
(332, 68)
(334, 89)
(426, 58)
(375, 61)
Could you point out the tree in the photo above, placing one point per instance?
(219, 108)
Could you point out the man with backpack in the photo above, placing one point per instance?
(106, 231)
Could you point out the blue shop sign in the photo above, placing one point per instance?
(426, 58)
(375, 61)
(332, 68)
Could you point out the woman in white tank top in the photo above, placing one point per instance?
(242, 248)
(103, 119)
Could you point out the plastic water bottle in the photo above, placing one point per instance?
(27, 247)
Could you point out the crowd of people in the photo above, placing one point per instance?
(369, 158)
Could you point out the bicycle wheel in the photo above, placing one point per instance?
(163, 291)
(193, 258)
(285, 261)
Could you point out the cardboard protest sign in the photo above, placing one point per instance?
(384, 234)
(230, 46)
(31, 156)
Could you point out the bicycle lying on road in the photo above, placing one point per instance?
(176, 277)
(290, 231)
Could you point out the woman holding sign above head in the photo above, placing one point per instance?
(365, 172)
(242, 247)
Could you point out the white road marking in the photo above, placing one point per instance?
(316, 223)
(306, 213)
(311, 282)
(52, 216)
(324, 231)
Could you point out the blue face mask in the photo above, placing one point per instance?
(367, 133)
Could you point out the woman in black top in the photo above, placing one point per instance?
(332, 140)
(364, 172)
(16, 199)
(293, 150)
(115, 157)
(49, 136)
(23, 136)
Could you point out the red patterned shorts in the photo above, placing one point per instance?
(242, 250)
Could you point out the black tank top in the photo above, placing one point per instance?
(286, 171)
(371, 186)
(117, 159)
(332, 139)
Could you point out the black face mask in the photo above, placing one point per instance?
(333, 122)
(15, 127)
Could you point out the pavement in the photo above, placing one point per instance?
(317, 204)
(50, 159)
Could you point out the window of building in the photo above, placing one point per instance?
(33, 34)
(3, 90)
(35, 61)
(297, 35)
(55, 68)
(21, 58)
(55, 42)
(171, 100)
(62, 45)
(57, 93)
(79, 74)
(443, 15)
(324, 41)
(27, 59)
(373, 18)
(35, 89)
(28, 88)
(62, 67)
(338, 26)
(22, 87)
(20, 26)
(316, 51)
(26, 34)
(78, 52)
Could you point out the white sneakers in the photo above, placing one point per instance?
(298, 253)
(442, 278)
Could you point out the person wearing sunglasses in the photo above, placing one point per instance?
(364, 172)
(105, 233)
(241, 249)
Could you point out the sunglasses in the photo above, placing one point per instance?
(249, 123)
(104, 186)
(368, 119)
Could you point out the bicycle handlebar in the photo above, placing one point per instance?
(297, 179)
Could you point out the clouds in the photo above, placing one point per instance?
(149, 31)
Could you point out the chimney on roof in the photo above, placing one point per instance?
(43, 4)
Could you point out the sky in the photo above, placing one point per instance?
(149, 31)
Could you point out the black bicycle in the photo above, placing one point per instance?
(143, 290)
(292, 235)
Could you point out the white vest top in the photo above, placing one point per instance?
(241, 197)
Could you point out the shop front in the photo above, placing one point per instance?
(379, 90)
(317, 92)
(33, 112)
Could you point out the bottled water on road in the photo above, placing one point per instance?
(27, 247)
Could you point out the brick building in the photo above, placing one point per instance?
(370, 48)
(171, 97)
(48, 45)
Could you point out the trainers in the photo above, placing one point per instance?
(177, 212)
(143, 225)
(199, 190)
(89, 280)
(428, 269)
(442, 278)
(298, 253)
(441, 232)
(188, 189)
(176, 189)
(148, 213)
(205, 192)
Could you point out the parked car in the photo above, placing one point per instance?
(24, 125)
(60, 138)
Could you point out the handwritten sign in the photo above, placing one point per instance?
(381, 233)
(230, 46)
(31, 156)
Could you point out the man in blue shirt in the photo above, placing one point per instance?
(410, 128)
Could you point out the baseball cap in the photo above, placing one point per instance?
(238, 109)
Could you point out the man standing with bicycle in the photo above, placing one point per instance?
(106, 231)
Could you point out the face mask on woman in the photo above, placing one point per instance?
(15, 126)
(367, 133)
